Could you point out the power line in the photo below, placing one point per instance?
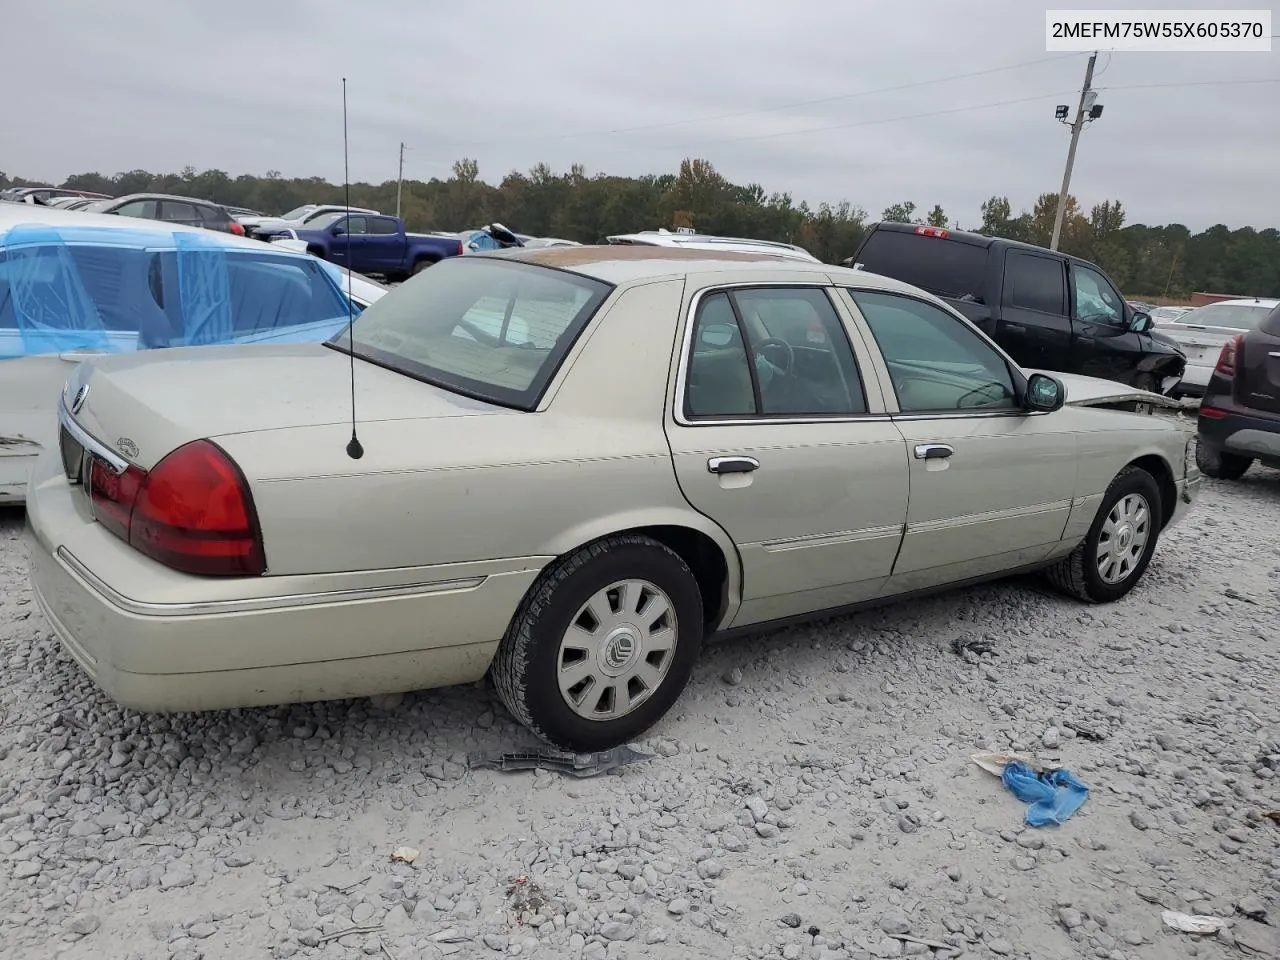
(610, 131)
(1189, 83)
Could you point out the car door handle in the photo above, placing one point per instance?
(724, 465)
(1015, 328)
(933, 451)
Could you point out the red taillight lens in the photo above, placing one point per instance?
(237, 228)
(193, 513)
(1227, 358)
(113, 496)
(461, 248)
(1212, 413)
(932, 232)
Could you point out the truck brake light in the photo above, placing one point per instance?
(938, 232)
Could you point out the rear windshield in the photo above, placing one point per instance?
(948, 268)
(493, 329)
(1234, 316)
(57, 295)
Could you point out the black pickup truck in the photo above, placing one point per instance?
(1048, 310)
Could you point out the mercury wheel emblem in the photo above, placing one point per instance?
(79, 399)
(619, 650)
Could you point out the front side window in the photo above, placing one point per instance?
(771, 352)
(1096, 300)
(938, 363)
(492, 329)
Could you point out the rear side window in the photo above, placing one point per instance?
(214, 216)
(1034, 282)
(1233, 316)
(381, 226)
(946, 267)
(1271, 324)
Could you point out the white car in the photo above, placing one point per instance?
(700, 241)
(74, 285)
(573, 464)
(1162, 314)
(1202, 332)
(295, 219)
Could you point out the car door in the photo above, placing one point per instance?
(383, 245)
(1035, 327)
(1102, 344)
(779, 435)
(349, 234)
(991, 485)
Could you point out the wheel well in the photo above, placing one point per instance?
(316, 252)
(1158, 468)
(705, 560)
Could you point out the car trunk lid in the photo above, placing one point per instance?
(144, 405)
(1257, 380)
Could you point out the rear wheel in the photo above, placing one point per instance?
(421, 265)
(1220, 465)
(1119, 545)
(602, 645)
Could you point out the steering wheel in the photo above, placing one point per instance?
(786, 349)
(984, 389)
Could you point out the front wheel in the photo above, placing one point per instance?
(602, 645)
(1221, 465)
(1119, 545)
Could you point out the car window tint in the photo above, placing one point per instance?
(938, 363)
(1035, 283)
(1096, 301)
(182, 212)
(487, 328)
(381, 225)
(138, 208)
(719, 376)
(214, 216)
(802, 358)
(357, 226)
(947, 267)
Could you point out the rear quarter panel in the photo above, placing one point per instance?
(503, 485)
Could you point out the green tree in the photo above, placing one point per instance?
(899, 212)
(936, 218)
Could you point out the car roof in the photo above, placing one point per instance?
(154, 233)
(1242, 302)
(167, 196)
(626, 263)
(977, 240)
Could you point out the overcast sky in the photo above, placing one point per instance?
(254, 85)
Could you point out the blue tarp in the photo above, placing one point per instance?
(112, 289)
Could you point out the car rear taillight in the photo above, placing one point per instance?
(1227, 358)
(938, 232)
(461, 248)
(236, 228)
(192, 512)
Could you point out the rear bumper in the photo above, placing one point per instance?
(265, 640)
(1246, 434)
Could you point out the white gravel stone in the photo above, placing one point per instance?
(780, 785)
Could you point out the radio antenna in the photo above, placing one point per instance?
(355, 450)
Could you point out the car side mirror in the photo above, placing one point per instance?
(1044, 393)
(337, 229)
(1141, 322)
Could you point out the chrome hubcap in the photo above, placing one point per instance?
(1124, 538)
(617, 650)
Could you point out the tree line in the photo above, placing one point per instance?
(1146, 261)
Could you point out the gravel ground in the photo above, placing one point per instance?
(811, 795)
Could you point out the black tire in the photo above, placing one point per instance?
(524, 668)
(1220, 465)
(420, 266)
(1077, 573)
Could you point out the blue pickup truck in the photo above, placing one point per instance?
(376, 243)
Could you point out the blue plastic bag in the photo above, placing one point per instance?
(1053, 796)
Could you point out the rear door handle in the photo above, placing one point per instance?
(933, 451)
(1015, 327)
(724, 465)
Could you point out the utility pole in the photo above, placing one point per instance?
(400, 180)
(1084, 111)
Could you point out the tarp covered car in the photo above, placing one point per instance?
(74, 285)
